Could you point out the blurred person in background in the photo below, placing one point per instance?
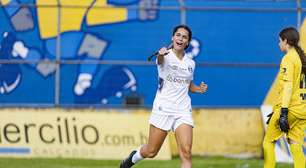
(172, 105)
(289, 111)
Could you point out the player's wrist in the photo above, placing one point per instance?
(284, 111)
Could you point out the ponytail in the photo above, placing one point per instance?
(301, 53)
(292, 36)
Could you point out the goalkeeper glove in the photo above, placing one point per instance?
(283, 120)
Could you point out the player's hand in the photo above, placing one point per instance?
(203, 87)
(163, 51)
(283, 120)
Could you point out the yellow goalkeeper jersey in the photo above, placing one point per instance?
(292, 85)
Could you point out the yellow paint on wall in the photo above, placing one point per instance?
(226, 132)
(303, 35)
(71, 18)
(4, 2)
(91, 134)
(101, 13)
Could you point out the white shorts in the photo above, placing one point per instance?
(169, 122)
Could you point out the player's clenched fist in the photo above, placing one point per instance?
(163, 51)
(203, 87)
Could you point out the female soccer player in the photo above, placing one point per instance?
(289, 115)
(172, 104)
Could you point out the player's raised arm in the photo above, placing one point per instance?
(161, 53)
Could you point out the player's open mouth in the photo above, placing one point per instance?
(179, 44)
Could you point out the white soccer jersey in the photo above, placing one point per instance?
(175, 76)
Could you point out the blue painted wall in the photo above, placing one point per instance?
(225, 37)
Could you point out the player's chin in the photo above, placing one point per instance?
(179, 47)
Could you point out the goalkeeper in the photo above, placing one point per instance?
(289, 111)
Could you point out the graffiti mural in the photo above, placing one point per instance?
(94, 52)
(47, 21)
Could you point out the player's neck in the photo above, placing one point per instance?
(287, 48)
(179, 53)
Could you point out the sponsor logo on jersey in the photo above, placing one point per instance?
(190, 69)
(177, 80)
(174, 67)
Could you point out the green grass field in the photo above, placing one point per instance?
(198, 162)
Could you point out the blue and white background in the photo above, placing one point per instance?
(235, 48)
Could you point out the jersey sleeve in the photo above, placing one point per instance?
(287, 71)
(193, 69)
(162, 67)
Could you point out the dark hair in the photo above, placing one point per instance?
(292, 36)
(187, 29)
